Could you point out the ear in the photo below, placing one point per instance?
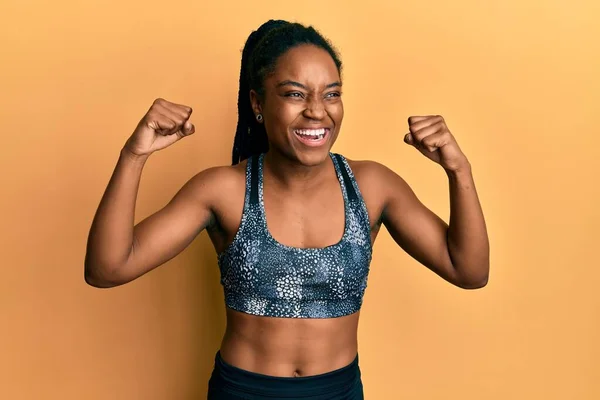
(255, 102)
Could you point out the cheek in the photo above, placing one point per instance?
(336, 111)
(277, 119)
(284, 114)
(282, 117)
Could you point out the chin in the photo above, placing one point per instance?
(312, 158)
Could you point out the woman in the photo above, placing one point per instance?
(292, 223)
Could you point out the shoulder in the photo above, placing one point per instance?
(380, 186)
(372, 175)
(213, 183)
(368, 168)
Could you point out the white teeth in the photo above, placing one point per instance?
(310, 132)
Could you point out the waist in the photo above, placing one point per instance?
(289, 347)
(337, 383)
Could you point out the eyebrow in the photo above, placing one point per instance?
(298, 84)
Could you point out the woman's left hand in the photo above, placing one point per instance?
(431, 136)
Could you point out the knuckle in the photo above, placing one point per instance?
(166, 124)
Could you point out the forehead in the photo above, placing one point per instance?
(306, 64)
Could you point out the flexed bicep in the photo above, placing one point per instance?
(415, 228)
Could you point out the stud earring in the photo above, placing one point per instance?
(259, 117)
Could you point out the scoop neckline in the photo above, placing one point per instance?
(263, 213)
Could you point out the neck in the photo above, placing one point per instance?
(291, 174)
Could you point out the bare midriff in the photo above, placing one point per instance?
(289, 347)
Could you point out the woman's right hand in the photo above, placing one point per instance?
(164, 124)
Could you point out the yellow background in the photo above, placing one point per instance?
(517, 83)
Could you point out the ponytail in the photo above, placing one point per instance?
(250, 136)
(259, 57)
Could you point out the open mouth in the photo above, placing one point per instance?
(312, 137)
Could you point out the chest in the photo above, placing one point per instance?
(314, 219)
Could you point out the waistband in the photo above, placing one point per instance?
(328, 383)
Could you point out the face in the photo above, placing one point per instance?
(302, 105)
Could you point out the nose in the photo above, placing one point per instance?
(315, 108)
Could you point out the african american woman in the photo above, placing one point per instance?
(292, 223)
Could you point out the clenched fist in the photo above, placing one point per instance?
(431, 136)
(164, 124)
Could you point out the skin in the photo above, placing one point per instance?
(304, 208)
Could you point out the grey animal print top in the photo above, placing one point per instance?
(261, 276)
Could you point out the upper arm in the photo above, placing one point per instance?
(166, 233)
(415, 228)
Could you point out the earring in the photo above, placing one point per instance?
(259, 117)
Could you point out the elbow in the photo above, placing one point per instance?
(473, 282)
(104, 273)
(100, 277)
(94, 281)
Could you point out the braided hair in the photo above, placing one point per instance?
(259, 58)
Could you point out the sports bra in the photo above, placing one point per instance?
(262, 276)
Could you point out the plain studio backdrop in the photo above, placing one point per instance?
(518, 83)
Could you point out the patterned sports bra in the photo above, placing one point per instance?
(261, 276)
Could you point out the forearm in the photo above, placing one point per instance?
(111, 236)
(468, 243)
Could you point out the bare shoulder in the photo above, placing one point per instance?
(220, 176)
(378, 184)
(374, 176)
(367, 168)
(215, 182)
(383, 189)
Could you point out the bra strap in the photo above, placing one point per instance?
(347, 182)
(253, 168)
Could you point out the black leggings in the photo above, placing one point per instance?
(231, 383)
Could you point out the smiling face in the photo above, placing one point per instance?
(302, 105)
